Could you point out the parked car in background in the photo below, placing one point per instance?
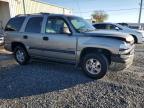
(137, 34)
(123, 24)
(135, 27)
(70, 39)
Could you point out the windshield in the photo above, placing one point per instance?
(126, 27)
(81, 25)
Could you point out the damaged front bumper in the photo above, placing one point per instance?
(122, 61)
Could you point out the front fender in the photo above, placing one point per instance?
(112, 45)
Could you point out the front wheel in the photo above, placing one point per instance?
(95, 65)
(21, 55)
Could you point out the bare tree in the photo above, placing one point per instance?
(99, 16)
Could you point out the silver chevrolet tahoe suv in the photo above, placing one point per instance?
(70, 39)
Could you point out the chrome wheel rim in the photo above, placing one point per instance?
(20, 55)
(93, 66)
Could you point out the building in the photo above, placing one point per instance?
(11, 8)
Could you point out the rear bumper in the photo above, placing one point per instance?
(120, 62)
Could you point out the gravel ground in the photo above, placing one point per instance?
(52, 85)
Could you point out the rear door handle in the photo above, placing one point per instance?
(45, 38)
(25, 37)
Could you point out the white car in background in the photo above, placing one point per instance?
(137, 34)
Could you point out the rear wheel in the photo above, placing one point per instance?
(95, 65)
(21, 55)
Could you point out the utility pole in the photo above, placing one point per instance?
(24, 7)
(140, 12)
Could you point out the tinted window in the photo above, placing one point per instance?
(100, 26)
(110, 27)
(34, 25)
(14, 24)
(57, 26)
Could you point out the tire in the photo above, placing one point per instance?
(135, 39)
(21, 55)
(99, 65)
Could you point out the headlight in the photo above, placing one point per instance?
(129, 39)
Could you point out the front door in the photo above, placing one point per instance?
(58, 41)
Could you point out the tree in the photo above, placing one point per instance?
(99, 16)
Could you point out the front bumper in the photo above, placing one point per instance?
(121, 62)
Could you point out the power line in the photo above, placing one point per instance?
(108, 10)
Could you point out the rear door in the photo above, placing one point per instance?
(32, 36)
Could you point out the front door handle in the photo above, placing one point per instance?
(25, 37)
(45, 38)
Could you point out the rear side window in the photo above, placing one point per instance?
(100, 26)
(110, 27)
(34, 25)
(14, 24)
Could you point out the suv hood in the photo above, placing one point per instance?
(109, 34)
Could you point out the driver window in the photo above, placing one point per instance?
(111, 27)
(57, 26)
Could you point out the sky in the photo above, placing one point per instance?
(117, 10)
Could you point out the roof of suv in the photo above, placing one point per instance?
(20, 15)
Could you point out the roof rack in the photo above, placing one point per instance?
(43, 13)
(19, 15)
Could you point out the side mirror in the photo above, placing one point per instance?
(116, 28)
(69, 34)
(67, 31)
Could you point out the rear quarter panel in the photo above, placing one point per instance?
(12, 37)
